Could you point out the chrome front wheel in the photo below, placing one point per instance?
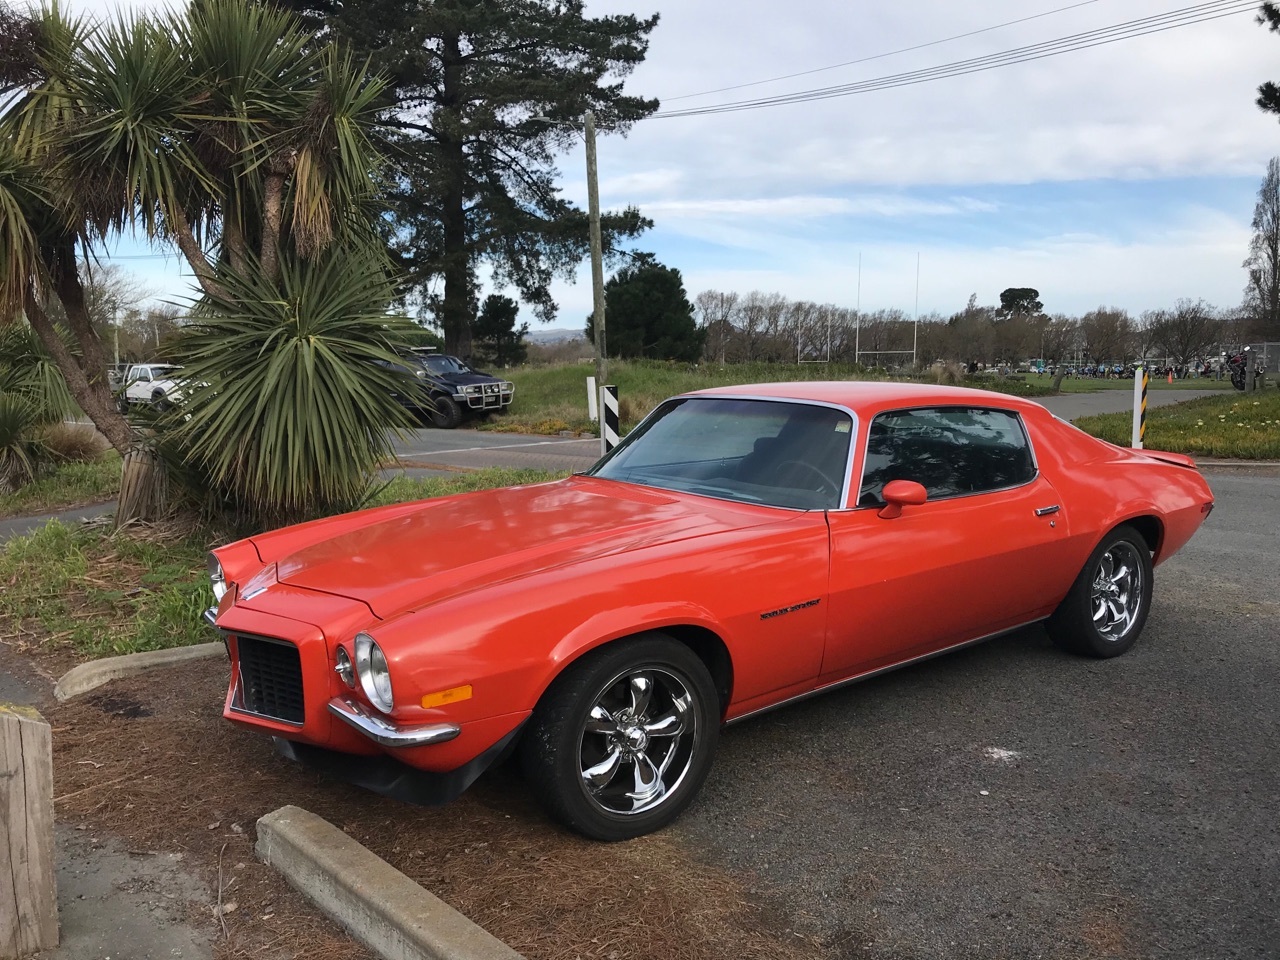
(622, 741)
(638, 742)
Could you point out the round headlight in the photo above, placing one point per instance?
(375, 679)
(216, 578)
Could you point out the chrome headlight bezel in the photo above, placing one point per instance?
(217, 579)
(345, 669)
(372, 669)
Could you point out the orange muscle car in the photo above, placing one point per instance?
(743, 547)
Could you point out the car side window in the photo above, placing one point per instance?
(952, 451)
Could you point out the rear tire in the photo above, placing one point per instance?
(445, 414)
(1106, 608)
(622, 741)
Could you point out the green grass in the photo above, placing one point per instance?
(552, 399)
(1232, 427)
(99, 593)
(64, 486)
(408, 487)
(103, 593)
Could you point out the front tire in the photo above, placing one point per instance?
(622, 741)
(445, 413)
(1106, 608)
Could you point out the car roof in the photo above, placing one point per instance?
(871, 395)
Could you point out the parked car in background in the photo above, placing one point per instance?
(742, 548)
(445, 390)
(457, 390)
(157, 384)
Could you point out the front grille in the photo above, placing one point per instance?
(270, 678)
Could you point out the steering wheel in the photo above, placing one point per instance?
(825, 483)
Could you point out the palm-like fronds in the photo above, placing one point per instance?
(27, 371)
(21, 195)
(19, 448)
(291, 410)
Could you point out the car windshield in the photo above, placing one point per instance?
(444, 364)
(775, 452)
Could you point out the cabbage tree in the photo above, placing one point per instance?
(226, 131)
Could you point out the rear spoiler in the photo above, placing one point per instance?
(1177, 459)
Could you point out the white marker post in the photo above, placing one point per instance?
(1140, 380)
(593, 409)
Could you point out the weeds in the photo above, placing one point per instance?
(96, 593)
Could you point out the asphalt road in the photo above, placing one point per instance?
(1011, 800)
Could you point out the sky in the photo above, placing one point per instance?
(1123, 175)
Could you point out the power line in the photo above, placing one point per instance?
(880, 56)
(1186, 16)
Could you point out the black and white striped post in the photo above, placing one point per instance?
(1141, 379)
(608, 418)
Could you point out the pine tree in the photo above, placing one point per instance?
(483, 95)
(649, 314)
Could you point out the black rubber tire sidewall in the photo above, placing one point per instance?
(446, 413)
(1071, 626)
(550, 743)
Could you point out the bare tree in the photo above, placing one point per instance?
(1060, 338)
(716, 311)
(1188, 330)
(1107, 334)
(1262, 294)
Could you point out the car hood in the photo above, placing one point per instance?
(443, 548)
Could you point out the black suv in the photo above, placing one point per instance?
(453, 390)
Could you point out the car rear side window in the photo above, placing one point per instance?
(952, 451)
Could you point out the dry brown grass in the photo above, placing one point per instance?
(73, 442)
(151, 759)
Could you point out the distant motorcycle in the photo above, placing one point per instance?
(1236, 367)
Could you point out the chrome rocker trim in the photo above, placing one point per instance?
(836, 685)
(388, 732)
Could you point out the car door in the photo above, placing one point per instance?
(981, 555)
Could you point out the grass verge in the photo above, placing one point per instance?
(64, 486)
(1232, 427)
(78, 592)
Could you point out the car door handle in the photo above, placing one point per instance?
(1045, 511)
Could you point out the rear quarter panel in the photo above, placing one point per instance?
(1103, 485)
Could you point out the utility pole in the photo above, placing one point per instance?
(857, 317)
(915, 333)
(597, 262)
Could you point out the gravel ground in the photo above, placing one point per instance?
(1013, 801)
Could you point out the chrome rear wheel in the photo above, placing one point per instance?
(1118, 591)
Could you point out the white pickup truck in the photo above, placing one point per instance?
(155, 383)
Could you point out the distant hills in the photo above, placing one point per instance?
(554, 335)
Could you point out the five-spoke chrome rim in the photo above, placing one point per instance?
(1117, 591)
(639, 741)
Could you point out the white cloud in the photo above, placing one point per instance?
(996, 179)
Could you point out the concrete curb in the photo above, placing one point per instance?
(376, 903)
(95, 673)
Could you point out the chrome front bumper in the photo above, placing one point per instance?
(386, 731)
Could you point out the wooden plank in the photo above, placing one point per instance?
(28, 896)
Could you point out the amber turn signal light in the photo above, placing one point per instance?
(452, 695)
